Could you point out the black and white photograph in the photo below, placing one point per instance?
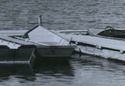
(62, 42)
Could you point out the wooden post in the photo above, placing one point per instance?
(40, 20)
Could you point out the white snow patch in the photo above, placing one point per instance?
(9, 44)
(42, 35)
(98, 41)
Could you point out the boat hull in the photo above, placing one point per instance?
(22, 55)
(54, 51)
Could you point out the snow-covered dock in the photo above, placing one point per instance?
(97, 45)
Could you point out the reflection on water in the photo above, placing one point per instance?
(8, 70)
(41, 71)
(100, 62)
(54, 68)
(78, 71)
(44, 67)
(98, 71)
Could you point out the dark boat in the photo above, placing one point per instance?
(111, 32)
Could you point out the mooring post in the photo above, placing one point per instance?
(40, 20)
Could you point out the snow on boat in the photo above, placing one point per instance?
(35, 43)
(56, 46)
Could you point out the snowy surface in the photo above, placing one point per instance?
(42, 35)
(9, 44)
(103, 53)
(13, 43)
(98, 41)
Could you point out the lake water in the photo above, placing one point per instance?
(81, 70)
(64, 14)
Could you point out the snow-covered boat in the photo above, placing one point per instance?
(37, 42)
(49, 44)
(112, 32)
(18, 48)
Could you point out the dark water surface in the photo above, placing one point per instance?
(83, 71)
(62, 14)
